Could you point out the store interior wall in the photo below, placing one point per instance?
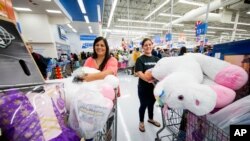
(46, 35)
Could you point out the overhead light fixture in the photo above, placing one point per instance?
(54, 11)
(224, 28)
(47, 0)
(158, 8)
(74, 30)
(137, 21)
(99, 13)
(112, 12)
(90, 29)
(242, 34)
(191, 3)
(225, 33)
(212, 32)
(81, 4)
(169, 15)
(86, 19)
(22, 9)
(248, 12)
(139, 27)
(69, 26)
(221, 8)
(240, 23)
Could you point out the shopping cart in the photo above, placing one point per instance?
(197, 128)
(109, 131)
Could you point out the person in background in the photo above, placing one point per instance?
(101, 60)
(183, 50)
(136, 55)
(41, 61)
(159, 53)
(145, 85)
(131, 63)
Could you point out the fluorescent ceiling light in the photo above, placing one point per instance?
(112, 12)
(240, 23)
(99, 13)
(212, 32)
(137, 21)
(139, 27)
(22, 9)
(225, 33)
(69, 26)
(81, 4)
(223, 28)
(125, 30)
(90, 29)
(221, 8)
(248, 12)
(243, 34)
(169, 15)
(191, 3)
(54, 11)
(74, 30)
(47, 0)
(158, 8)
(86, 19)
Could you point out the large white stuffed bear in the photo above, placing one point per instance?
(197, 82)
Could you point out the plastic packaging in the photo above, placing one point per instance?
(235, 113)
(89, 113)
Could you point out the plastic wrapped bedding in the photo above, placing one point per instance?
(30, 115)
(236, 113)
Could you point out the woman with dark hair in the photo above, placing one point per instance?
(101, 60)
(145, 84)
(183, 50)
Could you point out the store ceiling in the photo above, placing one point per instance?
(69, 9)
(139, 9)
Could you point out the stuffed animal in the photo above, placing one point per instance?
(197, 82)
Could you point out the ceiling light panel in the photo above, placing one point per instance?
(112, 12)
(22, 9)
(82, 7)
(169, 15)
(158, 8)
(191, 3)
(54, 11)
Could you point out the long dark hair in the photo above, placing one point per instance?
(182, 51)
(107, 55)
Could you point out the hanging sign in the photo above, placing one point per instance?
(168, 37)
(201, 29)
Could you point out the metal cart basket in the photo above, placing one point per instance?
(109, 131)
(197, 128)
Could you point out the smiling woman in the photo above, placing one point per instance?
(101, 60)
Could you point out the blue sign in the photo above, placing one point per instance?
(168, 37)
(201, 29)
(87, 37)
(87, 45)
(157, 39)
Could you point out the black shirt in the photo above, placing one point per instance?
(144, 63)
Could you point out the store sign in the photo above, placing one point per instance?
(87, 40)
(201, 29)
(168, 37)
(62, 33)
(157, 39)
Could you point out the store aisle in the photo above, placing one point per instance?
(128, 118)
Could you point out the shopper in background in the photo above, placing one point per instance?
(136, 55)
(131, 63)
(183, 50)
(101, 60)
(41, 61)
(145, 86)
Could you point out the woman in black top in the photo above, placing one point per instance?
(145, 85)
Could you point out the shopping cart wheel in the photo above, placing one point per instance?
(157, 139)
